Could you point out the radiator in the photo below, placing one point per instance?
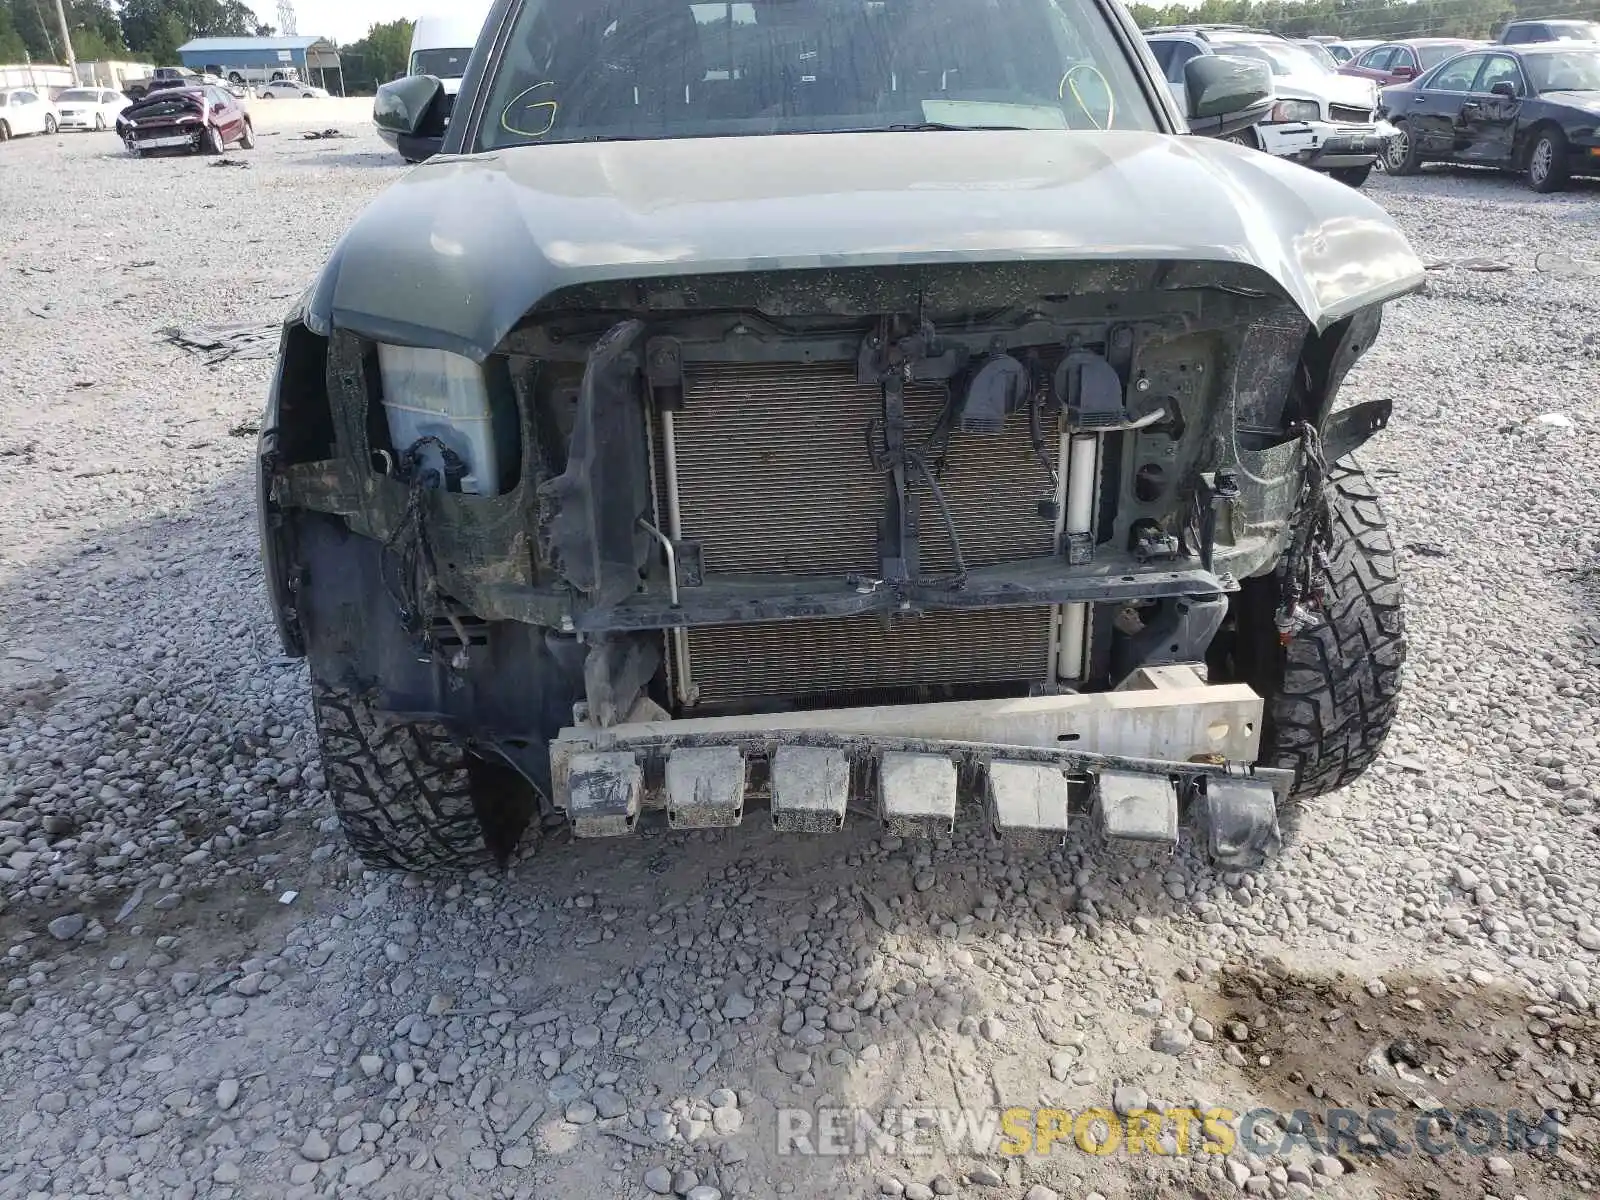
(774, 477)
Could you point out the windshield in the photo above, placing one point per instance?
(1574, 31)
(1285, 58)
(1432, 56)
(444, 64)
(1321, 53)
(1566, 71)
(593, 70)
(90, 97)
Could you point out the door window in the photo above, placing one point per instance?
(1182, 52)
(1163, 55)
(1376, 60)
(1501, 68)
(1458, 76)
(1403, 58)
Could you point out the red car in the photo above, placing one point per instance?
(190, 119)
(1397, 62)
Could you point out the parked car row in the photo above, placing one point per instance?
(1529, 103)
(24, 111)
(1320, 118)
(193, 112)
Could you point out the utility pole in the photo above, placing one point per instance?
(66, 37)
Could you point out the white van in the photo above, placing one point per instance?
(442, 43)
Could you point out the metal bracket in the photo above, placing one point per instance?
(663, 369)
(1137, 807)
(1241, 817)
(1347, 430)
(691, 564)
(606, 791)
(917, 794)
(1079, 548)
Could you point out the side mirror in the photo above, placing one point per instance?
(1504, 88)
(403, 106)
(1404, 72)
(1226, 94)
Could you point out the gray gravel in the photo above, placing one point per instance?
(205, 996)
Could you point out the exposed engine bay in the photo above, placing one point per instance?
(750, 506)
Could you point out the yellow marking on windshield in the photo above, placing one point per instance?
(1067, 82)
(553, 106)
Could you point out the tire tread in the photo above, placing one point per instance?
(1339, 689)
(403, 792)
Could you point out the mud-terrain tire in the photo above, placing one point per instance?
(1331, 693)
(409, 796)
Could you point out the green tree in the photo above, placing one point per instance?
(378, 57)
(96, 32)
(12, 48)
(158, 27)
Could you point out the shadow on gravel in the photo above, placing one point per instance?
(879, 974)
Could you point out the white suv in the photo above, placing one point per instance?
(1322, 119)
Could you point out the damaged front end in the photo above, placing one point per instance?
(809, 539)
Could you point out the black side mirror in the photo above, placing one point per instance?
(1226, 94)
(404, 106)
(1505, 88)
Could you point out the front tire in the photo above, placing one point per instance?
(211, 141)
(409, 797)
(5, 132)
(1547, 161)
(1331, 694)
(1400, 156)
(50, 125)
(247, 139)
(99, 123)
(1352, 176)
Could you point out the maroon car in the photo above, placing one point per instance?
(190, 119)
(1397, 62)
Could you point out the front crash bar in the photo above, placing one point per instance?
(1032, 794)
(868, 748)
(724, 600)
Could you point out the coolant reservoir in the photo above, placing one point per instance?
(433, 393)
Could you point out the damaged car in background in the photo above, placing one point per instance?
(189, 120)
(860, 406)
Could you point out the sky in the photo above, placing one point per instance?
(344, 20)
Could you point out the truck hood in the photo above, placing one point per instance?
(1351, 90)
(459, 250)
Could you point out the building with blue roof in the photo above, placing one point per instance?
(260, 59)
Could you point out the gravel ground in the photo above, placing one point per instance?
(205, 996)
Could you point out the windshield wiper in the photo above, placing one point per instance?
(941, 126)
